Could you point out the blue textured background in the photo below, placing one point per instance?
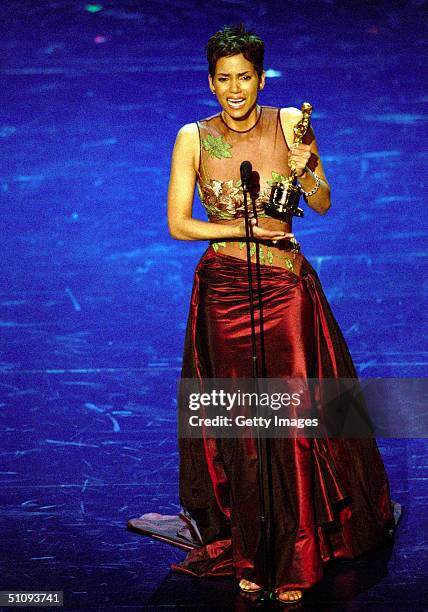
(94, 293)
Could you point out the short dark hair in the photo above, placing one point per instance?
(232, 40)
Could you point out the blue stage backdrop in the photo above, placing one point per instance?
(94, 293)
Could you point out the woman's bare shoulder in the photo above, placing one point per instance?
(186, 148)
(290, 114)
(188, 138)
(189, 131)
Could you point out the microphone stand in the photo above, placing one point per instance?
(262, 444)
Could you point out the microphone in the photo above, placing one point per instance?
(246, 170)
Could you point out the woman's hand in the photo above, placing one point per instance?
(262, 233)
(299, 155)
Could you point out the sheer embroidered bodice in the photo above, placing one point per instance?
(222, 151)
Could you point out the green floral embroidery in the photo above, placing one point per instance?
(217, 245)
(264, 255)
(221, 214)
(230, 184)
(289, 264)
(216, 147)
(229, 193)
(277, 178)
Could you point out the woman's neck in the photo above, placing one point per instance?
(244, 124)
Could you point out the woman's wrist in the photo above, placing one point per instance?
(240, 229)
(307, 174)
(313, 191)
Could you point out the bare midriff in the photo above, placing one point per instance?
(280, 254)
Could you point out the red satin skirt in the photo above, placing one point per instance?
(328, 498)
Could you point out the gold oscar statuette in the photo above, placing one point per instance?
(285, 195)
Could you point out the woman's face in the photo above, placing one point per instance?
(236, 85)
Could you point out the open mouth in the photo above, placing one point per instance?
(236, 102)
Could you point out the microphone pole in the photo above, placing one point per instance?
(246, 176)
(246, 172)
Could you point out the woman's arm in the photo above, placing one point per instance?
(185, 161)
(307, 161)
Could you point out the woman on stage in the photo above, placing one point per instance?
(331, 497)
